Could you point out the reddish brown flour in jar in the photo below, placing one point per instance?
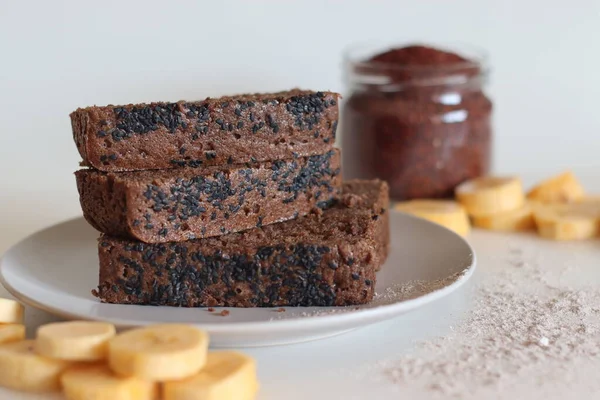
(424, 125)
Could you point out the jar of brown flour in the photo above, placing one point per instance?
(417, 117)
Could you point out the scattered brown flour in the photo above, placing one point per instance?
(528, 336)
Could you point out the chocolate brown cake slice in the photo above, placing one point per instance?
(327, 258)
(187, 203)
(226, 130)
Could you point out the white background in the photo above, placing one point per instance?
(58, 55)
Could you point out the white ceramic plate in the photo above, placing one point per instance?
(56, 269)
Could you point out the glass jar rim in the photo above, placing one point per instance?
(475, 57)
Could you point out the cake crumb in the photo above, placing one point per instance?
(280, 309)
(210, 309)
(224, 313)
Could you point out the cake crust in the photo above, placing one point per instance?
(182, 204)
(327, 258)
(226, 130)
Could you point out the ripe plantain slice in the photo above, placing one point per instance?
(159, 352)
(490, 195)
(444, 212)
(562, 188)
(227, 375)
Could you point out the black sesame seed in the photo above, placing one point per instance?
(101, 133)
(368, 282)
(240, 124)
(355, 276)
(350, 261)
(113, 157)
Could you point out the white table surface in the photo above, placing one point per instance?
(335, 368)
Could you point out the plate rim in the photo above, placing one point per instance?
(366, 315)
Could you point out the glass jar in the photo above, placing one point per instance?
(416, 117)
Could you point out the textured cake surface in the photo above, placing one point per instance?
(188, 203)
(227, 130)
(327, 258)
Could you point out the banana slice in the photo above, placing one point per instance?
(11, 333)
(227, 375)
(98, 382)
(568, 221)
(444, 212)
(158, 352)
(22, 369)
(11, 311)
(490, 195)
(75, 340)
(520, 219)
(558, 189)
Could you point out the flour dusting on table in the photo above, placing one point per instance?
(526, 335)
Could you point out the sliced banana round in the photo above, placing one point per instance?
(490, 195)
(98, 382)
(159, 352)
(520, 219)
(227, 375)
(22, 369)
(74, 340)
(558, 189)
(568, 221)
(444, 212)
(11, 311)
(11, 333)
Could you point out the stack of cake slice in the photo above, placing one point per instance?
(236, 201)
